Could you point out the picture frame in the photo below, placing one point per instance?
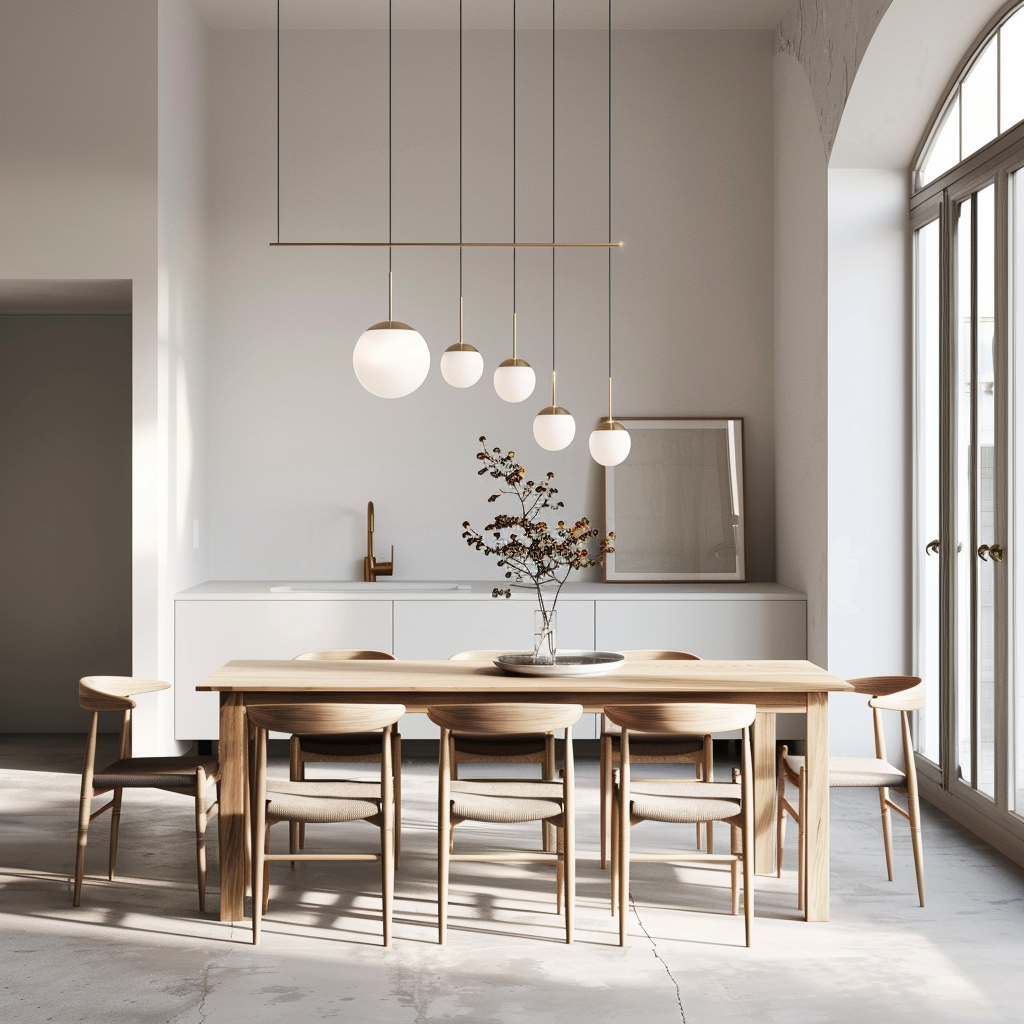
(676, 504)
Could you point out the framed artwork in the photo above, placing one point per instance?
(676, 504)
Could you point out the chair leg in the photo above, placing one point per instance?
(387, 879)
(266, 873)
(569, 859)
(801, 864)
(550, 774)
(396, 767)
(734, 870)
(780, 817)
(83, 839)
(915, 838)
(748, 883)
(883, 795)
(623, 821)
(295, 773)
(115, 824)
(444, 830)
(560, 870)
(257, 875)
(614, 851)
(201, 838)
(700, 778)
(606, 797)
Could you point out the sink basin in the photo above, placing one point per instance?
(355, 586)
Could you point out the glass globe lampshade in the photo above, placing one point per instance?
(461, 365)
(514, 380)
(609, 442)
(554, 428)
(391, 359)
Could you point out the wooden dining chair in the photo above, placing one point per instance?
(195, 777)
(695, 750)
(322, 800)
(886, 693)
(528, 748)
(683, 801)
(506, 801)
(349, 749)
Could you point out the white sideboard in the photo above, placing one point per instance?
(220, 621)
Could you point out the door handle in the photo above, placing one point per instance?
(932, 547)
(996, 551)
(983, 552)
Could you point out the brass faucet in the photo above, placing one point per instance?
(371, 567)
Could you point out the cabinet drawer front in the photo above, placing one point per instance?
(209, 633)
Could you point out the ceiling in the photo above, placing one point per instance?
(38, 296)
(481, 14)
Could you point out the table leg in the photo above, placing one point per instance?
(764, 792)
(816, 808)
(231, 814)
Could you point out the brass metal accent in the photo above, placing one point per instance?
(460, 347)
(609, 424)
(513, 362)
(390, 325)
(371, 567)
(932, 547)
(458, 245)
(996, 551)
(983, 552)
(553, 410)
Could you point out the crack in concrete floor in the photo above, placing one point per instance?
(659, 958)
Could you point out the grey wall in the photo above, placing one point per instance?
(65, 513)
(296, 447)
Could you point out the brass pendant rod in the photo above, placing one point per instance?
(390, 296)
(461, 343)
(463, 245)
(553, 402)
(513, 334)
(609, 396)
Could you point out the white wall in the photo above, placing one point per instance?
(296, 447)
(869, 440)
(78, 170)
(801, 356)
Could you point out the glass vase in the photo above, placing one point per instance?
(544, 644)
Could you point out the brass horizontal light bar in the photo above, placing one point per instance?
(461, 245)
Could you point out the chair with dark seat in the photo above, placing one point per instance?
(506, 801)
(683, 801)
(322, 800)
(695, 750)
(349, 749)
(887, 693)
(195, 777)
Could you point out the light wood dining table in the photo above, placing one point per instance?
(773, 686)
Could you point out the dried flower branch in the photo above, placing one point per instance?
(532, 553)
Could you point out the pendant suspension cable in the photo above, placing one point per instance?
(460, 174)
(553, 182)
(609, 208)
(279, 122)
(514, 165)
(390, 147)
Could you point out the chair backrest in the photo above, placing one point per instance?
(660, 656)
(497, 719)
(345, 655)
(476, 655)
(910, 699)
(313, 719)
(114, 693)
(688, 719)
(882, 686)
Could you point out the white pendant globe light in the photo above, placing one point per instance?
(461, 364)
(553, 427)
(391, 360)
(514, 379)
(609, 440)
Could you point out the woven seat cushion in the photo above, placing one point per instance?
(856, 772)
(155, 772)
(501, 746)
(684, 802)
(322, 801)
(652, 744)
(352, 744)
(506, 802)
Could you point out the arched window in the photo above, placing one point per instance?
(967, 216)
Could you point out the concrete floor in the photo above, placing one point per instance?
(138, 951)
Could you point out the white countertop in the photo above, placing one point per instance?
(477, 590)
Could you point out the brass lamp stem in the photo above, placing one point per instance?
(513, 336)
(609, 396)
(461, 344)
(553, 402)
(390, 296)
